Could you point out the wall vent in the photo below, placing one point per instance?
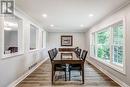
(32, 66)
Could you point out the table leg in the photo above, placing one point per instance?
(65, 76)
(52, 75)
(83, 74)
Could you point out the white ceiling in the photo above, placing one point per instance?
(68, 15)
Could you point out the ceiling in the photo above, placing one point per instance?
(68, 15)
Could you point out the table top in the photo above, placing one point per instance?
(66, 56)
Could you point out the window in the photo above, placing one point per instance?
(12, 35)
(107, 45)
(103, 48)
(33, 37)
(117, 44)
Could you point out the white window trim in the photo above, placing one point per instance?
(37, 38)
(20, 41)
(121, 69)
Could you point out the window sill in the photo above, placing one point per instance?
(30, 51)
(120, 69)
(11, 55)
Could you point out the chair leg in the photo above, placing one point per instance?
(65, 75)
(53, 74)
(83, 76)
(69, 75)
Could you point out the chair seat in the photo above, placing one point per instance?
(60, 67)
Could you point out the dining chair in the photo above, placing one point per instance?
(83, 55)
(77, 67)
(57, 67)
(78, 52)
(75, 49)
(55, 52)
(51, 55)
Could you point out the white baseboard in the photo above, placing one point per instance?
(17, 81)
(121, 83)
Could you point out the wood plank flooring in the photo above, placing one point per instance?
(41, 77)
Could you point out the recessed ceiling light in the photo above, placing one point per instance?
(81, 25)
(52, 25)
(44, 15)
(91, 15)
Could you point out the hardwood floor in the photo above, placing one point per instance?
(41, 77)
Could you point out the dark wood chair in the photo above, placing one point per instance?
(55, 52)
(78, 52)
(75, 49)
(84, 54)
(51, 55)
(77, 67)
(57, 67)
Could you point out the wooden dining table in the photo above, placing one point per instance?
(67, 58)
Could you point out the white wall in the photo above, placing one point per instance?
(13, 67)
(125, 12)
(54, 39)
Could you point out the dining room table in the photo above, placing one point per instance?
(67, 58)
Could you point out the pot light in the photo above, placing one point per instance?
(44, 15)
(81, 25)
(52, 25)
(91, 15)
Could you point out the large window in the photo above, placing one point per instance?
(107, 44)
(12, 35)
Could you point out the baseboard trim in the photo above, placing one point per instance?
(17, 81)
(121, 83)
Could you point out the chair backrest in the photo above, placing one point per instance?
(84, 54)
(51, 54)
(75, 49)
(55, 52)
(78, 52)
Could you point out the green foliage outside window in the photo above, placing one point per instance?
(103, 51)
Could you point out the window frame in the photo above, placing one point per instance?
(20, 39)
(37, 37)
(121, 69)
